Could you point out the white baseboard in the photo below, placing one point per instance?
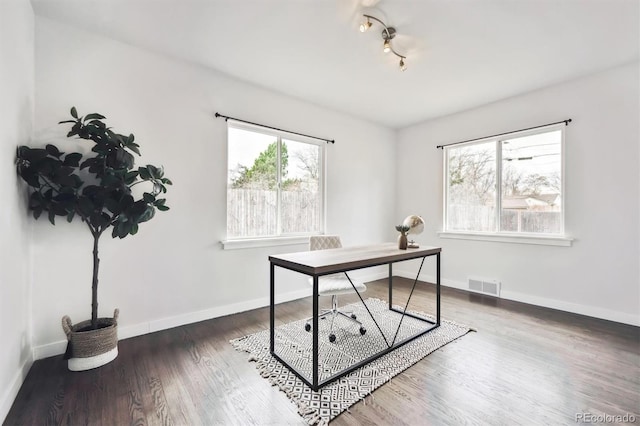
(59, 347)
(50, 349)
(590, 311)
(10, 394)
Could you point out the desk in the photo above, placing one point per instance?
(324, 262)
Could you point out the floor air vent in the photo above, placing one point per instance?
(490, 287)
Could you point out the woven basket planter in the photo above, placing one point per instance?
(88, 348)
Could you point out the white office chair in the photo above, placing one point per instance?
(333, 285)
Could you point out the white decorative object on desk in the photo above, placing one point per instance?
(416, 226)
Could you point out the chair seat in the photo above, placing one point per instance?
(337, 284)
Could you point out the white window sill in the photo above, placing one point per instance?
(504, 238)
(263, 242)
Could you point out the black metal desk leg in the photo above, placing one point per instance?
(272, 309)
(390, 285)
(315, 334)
(438, 288)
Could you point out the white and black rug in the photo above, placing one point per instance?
(293, 344)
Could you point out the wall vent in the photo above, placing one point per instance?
(485, 286)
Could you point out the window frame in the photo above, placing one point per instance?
(559, 239)
(279, 238)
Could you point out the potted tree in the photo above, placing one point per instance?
(98, 189)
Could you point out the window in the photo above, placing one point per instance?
(507, 186)
(274, 185)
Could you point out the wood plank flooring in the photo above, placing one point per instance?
(524, 365)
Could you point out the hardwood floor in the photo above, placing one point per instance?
(524, 365)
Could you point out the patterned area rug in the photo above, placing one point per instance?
(292, 343)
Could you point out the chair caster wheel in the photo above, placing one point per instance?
(363, 330)
(307, 327)
(332, 338)
(353, 316)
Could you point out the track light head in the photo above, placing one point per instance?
(403, 65)
(386, 47)
(365, 25)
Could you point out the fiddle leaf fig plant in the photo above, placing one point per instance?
(96, 187)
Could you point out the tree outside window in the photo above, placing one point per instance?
(508, 185)
(274, 184)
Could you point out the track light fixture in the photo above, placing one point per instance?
(388, 33)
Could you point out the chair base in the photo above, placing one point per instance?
(334, 312)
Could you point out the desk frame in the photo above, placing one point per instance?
(344, 260)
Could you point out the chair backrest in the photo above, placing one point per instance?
(323, 242)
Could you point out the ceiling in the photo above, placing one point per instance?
(460, 53)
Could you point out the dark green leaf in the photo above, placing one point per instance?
(74, 112)
(134, 148)
(66, 121)
(162, 208)
(149, 198)
(153, 171)
(90, 190)
(33, 154)
(110, 180)
(30, 177)
(123, 229)
(134, 229)
(66, 181)
(130, 177)
(88, 162)
(147, 215)
(63, 170)
(129, 160)
(35, 200)
(105, 219)
(52, 217)
(144, 173)
(78, 181)
(86, 206)
(112, 205)
(53, 151)
(94, 116)
(70, 216)
(72, 159)
(126, 202)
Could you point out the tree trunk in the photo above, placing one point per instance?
(94, 284)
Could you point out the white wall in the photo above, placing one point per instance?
(598, 275)
(16, 109)
(174, 270)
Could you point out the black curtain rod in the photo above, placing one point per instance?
(274, 128)
(566, 123)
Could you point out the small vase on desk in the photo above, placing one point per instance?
(402, 241)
